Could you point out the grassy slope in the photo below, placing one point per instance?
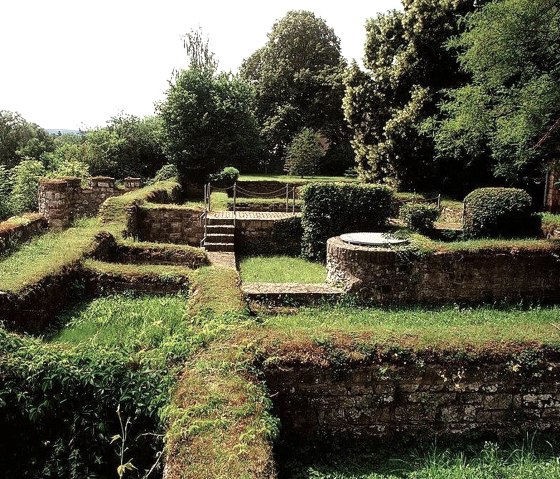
(46, 255)
(446, 328)
(281, 269)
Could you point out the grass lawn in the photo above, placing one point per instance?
(281, 269)
(485, 462)
(218, 202)
(122, 321)
(294, 179)
(447, 327)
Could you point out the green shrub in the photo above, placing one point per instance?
(25, 180)
(304, 154)
(330, 209)
(225, 178)
(499, 212)
(5, 207)
(419, 216)
(166, 172)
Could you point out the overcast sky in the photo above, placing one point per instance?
(75, 63)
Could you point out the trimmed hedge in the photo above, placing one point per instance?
(419, 217)
(331, 209)
(499, 212)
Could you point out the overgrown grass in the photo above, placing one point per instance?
(447, 327)
(281, 269)
(124, 322)
(47, 254)
(486, 462)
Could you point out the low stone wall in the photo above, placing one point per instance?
(15, 233)
(62, 200)
(385, 275)
(279, 206)
(268, 236)
(404, 399)
(32, 309)
(170, 224)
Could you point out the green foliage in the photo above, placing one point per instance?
(208, 123)
(513, 100)
(166, 172)
(337, 208)
(407, 68)
(225, 178)
(127, 146)
(499, 212)
(298, 80)
(25, 185)
(5, 187)
(304, 153)
(419, 216)
(71, 156)
(20, 139)
(281, 269)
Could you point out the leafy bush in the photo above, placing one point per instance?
(499, 212)
(225, 178)
(25, 180)
(166, 172)
(304, 154)
(5, 208)
(419, 216)
(330, 209)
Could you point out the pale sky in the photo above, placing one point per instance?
(75, 63)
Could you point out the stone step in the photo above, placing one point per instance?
(220, 229)
(219, 238)
(219, 246)
(213, 220)
(290, 293)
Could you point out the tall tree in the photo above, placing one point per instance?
(298, 77)
(208, 123)
(509, 114)
(408, 65)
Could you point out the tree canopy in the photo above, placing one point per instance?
(509, 114)
(209, 123)
(408, 65)
(20, 139)
(298, 77)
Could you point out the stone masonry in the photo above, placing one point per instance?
(385, 275)
(400, 400)
(62, 200)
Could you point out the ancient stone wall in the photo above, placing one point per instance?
(13, 234)
(62, 200)
(388, 276)
(170, 224)
(409, 400)
(268, 236)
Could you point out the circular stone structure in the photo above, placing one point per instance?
(372, 239)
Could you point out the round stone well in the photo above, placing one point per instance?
(357, 260)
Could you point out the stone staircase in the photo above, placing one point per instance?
(219, 234)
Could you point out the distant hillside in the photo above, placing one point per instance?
(62, 131)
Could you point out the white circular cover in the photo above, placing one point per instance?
(371, 239)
